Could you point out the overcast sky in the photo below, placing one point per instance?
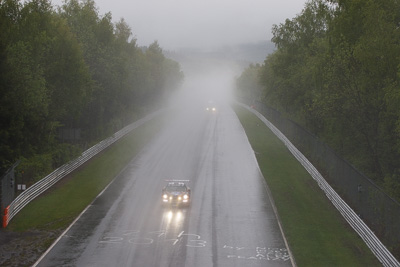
(200, 23)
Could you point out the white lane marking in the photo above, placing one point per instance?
(141, 241)
(196, 243)
(261, 253)
(181, 234)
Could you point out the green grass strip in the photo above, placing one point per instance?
(59, 206)
(316, 232)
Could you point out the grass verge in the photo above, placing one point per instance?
(316, 232)
(60, 205)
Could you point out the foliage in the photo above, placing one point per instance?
(71, 69)
(249, 80)
(336, 71)
(32, 169)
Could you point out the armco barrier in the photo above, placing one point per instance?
(376, 246)
(38, 188)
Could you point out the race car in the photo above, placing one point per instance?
(176, 193)
(211, 106)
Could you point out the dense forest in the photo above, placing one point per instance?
(336, 71)
(70, 77)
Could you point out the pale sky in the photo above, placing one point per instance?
(203, 23)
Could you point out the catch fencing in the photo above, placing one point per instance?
(369, 204)
(41, 186)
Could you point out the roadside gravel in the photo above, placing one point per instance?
(24, 248)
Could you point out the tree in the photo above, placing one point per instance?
(74, 69)
(24, 98)
(364, 63)
(248, 83)
(336, 71)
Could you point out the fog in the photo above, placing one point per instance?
(219, 29)
(207, 81)
(179, 24)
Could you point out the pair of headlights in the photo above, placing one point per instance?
(165, 196)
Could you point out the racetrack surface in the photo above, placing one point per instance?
(230, 222)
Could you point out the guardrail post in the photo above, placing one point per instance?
(5, 217)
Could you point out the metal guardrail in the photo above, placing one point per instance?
(376, 246)
(41, 186)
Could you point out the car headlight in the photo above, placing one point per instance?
(185, 197)
(179, 198)
(213, 109)
(165, 196)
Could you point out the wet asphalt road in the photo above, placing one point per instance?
(230, 221)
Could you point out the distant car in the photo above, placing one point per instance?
(176, 193)
(211, 106)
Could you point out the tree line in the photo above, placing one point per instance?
(70, 69)
(336, 71)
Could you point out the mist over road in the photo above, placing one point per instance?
(230, 221)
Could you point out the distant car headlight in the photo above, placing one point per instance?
(185, 197)
(179, 198)
(213, 109)
(165, 196)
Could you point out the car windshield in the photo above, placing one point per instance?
(175, 188)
